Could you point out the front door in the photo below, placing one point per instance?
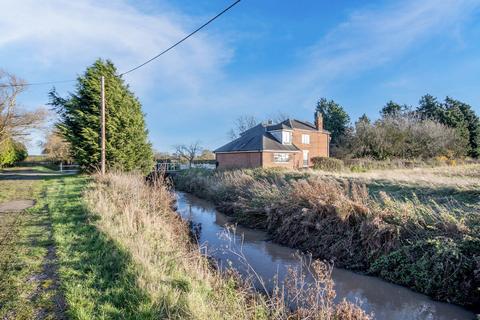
(305, 158)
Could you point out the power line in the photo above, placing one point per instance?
(139, 66)
(35, 83)
(183, 39)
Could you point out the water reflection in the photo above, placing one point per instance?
(385, 300)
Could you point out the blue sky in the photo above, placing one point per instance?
(262, 58)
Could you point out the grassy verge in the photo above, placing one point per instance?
(430, 247)
(24, 244)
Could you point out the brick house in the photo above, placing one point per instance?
(290, 144)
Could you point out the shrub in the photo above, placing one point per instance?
(7, 153)
(403, 136)
(12, 151)
(21, 152)
(327, 164)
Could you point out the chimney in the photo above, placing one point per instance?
(318, 120)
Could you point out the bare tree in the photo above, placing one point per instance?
(245, 122)
(242, 123)
(279, 116)
(56, 148)
(15, 122)
(188, 152)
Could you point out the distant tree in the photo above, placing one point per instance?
(56, 148)
(206, 155)
(279, 117)
(242, 124)
(127, 146)
(335, 119)
(394, 109)
(158, 155)
(461, 116)
(429, 108)
(363, 119)
(363, 137)
(188, 152)
(15, 123)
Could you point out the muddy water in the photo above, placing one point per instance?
(385, 300)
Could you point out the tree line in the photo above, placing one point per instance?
(449, 128)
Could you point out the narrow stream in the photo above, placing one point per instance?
(385, 300)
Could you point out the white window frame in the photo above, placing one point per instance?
(305, 138)
(287, 137)
(281, 157)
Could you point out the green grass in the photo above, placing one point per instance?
(24, 241)
(98, 278)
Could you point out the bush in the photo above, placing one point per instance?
(7, 153)
(12, 151)
(21, 152)
(404, 137)
(327, 164)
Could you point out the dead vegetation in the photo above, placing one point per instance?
(430, 247)
(180, 282)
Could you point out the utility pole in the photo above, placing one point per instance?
(102, 116)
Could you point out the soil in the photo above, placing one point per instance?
(16, 205)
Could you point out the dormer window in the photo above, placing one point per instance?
(286, 137)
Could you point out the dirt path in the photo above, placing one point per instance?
(16, 205)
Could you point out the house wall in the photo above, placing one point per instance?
(239, 160)
(318, 146)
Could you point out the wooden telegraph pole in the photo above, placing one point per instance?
(102, 116)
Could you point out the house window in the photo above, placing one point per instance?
(305, 139)
(286, 137)
(281, 157)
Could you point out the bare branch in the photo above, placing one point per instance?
(188, 152)
(15, 122)
(242, 124)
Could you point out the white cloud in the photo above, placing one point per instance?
(60, 34)
(66, 36)
(374, 37)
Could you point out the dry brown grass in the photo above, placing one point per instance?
(430, 247)
(170, 268)
(177, 278)
(462, 176)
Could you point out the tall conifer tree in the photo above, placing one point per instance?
(127, 146)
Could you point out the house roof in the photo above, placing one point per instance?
(256, 139)
(290, 124)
